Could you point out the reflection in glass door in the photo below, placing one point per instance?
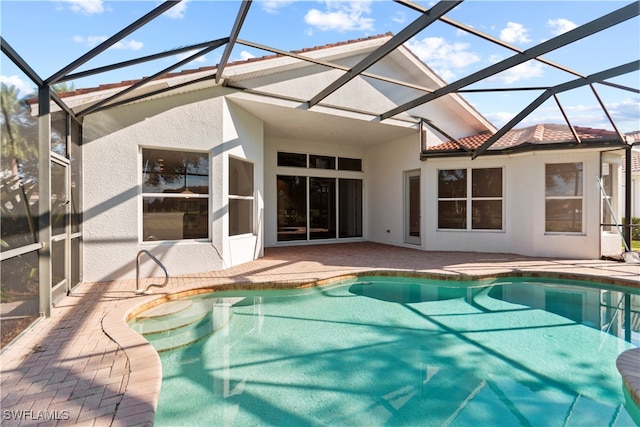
(412, 207)
(60, 227)
(322, 208)
(350, 207)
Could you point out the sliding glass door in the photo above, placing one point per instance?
(322, 208)
(292, 208)
(350, 193)
(313, 208)
(412, 207)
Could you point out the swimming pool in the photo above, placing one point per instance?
(377, 350)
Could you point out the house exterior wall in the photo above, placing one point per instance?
(387, 164)
(243, 139)
(523, 208)
(196, 121)
(523, 198)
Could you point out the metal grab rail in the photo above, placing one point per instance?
(157, 261)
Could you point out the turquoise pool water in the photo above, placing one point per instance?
(399, 351)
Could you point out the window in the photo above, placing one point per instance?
(452, 199)
(314, 208)
(486, 199)
(350, 203)
(316, 161)
(563, 197)
(240, 197)
(292, 208)
(322, 162)
(292, 159)
(474, 203)
(322, 208)
(175, 195)
(347, 164)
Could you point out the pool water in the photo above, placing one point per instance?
(401, 351)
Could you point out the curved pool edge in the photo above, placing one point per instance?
(628, 364)
(140, 399)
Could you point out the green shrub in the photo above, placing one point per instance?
(635, 227)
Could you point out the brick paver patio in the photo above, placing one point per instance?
(84, 366)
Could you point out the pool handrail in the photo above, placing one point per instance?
(157, 261)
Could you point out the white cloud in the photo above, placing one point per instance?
(244, 55)
(177, 11)
(341, 16)
(92, 41)
(524, 71)
(89, 41)
(443, 57)
(273, 6)
(625, 114)
(560, 25)
(86, 7)
(185, 55)
(399, 17)
(128, 45)
(628, 109)
(24, 87)
(514, 33)
(499, 118)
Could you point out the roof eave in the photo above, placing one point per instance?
(527, 147)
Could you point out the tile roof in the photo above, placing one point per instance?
(540, 134)
(635, 162)
(126, 83)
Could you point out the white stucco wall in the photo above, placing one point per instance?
(524, 203)
(112, 181)
(243, 139)
(385, 183)
(524, 208)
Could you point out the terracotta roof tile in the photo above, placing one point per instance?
(537, 134)
(126, 83)
(635, 162)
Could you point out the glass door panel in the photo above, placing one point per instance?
(292, 208)
(322, 208)
(412, 207)
(350, 207)
(60, 228)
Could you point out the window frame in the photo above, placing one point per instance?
(469, 200)
(336, 163)
(250, 198)
(310, 172)
(565, 197)
(148, 195)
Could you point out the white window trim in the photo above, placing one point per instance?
(469, 202)
(583, 214)
(236, 197)
(142, 195)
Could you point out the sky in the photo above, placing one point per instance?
(50, 34)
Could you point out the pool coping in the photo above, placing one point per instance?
(145, 375)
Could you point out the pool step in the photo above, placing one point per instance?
(181, 337)
(170, 316)
(180, 323)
